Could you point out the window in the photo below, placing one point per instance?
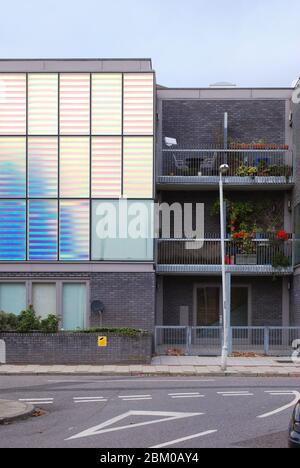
(74, 104)
(106, 104)
(12, 230)
(74, 167)
(239, 306)
(44, 299)
(43, 104)
(74, 230)
(74, 306)
(42, 226)
(12, 104)
(115, 241)
(12, 167)
(138, 103)
(42, 167)
(106, 167)
(12, 297)
(208, 306)
(138, 167)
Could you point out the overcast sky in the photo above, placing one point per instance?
(191, 42)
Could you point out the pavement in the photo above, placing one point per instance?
(13, 410)
(150, 412)
(171, 365)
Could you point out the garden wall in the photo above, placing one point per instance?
(75, 348)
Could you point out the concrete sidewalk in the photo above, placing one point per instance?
(13, 410)
(170, 366)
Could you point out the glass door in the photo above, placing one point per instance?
(239, 307)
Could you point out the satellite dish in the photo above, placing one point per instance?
(97, 307)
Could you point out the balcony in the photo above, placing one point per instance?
(264, 256)
(249, 167)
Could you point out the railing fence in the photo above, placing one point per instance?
(207, 341)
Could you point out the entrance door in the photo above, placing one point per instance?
(208, 306)
(239, 306)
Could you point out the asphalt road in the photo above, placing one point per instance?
(151, 412)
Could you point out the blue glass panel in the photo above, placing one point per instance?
(12, 230)
(42, 230)
(74, 230)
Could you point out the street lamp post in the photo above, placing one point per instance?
(223, 170)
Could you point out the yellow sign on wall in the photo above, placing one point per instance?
(102, 341)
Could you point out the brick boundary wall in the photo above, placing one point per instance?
(76, 348)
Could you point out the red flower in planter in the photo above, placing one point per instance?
(282, 236)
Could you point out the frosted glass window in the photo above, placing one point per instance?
(123, 246)
(74, 167)
(138, 167)
(43, 104)
(74, 230)
(74, 104)
(43, 227)
(12, 297)
(44, 299)
(42, 167)
(74, 306)
(12, 230)
(106, 104)
(12, 167)
(138, 103)
(12, 104)
(106, 167)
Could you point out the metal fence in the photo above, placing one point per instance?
(207, 341)
(274, 162)
(263, 251)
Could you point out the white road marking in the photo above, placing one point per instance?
(134, 396)
(183, 439)
(234, 394)
(163, 417)
(177, 394)
(282, 408)
(136, 399)
(91, 401)
(187, 396)
(35, 399)
(87, 398)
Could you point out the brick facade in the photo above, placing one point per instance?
(197, 122)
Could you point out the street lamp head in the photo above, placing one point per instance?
(224, 169)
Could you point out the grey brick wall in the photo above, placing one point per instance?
(75, 348)
(295, 301)
(212, 222)
(196, 122)
(129, 298)
(266, 298)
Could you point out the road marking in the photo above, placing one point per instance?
(136, 399)
(134, 396)
(177, 394)
(163, 417)
(187, 396)
(234, 394)
(177, 441)
(87, 398)
(98, 400)
(35, 399)
(282, 408)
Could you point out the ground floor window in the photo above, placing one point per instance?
(12, 297)
(68, 300)
(44, 299)
(74, 306)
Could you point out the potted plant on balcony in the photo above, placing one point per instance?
(246, 171)
(245, 248)
(280, 259)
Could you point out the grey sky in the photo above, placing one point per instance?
(191, 42)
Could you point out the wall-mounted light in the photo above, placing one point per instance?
(290, 206)
(291, 119)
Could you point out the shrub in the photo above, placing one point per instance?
(50, 324)
(8, 322)
(28, 321)
(131, 332)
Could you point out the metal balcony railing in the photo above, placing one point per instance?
(264, 251)
(244, 164)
